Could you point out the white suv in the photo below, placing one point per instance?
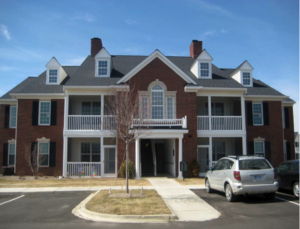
(242, 175)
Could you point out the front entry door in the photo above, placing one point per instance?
(203, 159)
(109, 160)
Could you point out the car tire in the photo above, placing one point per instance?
(207, 186)
(229, 194)
(296, 189)
(270, 196)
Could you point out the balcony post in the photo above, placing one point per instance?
(210, 152)
(65, 156)
(137, 158)
(243, 113)
(179, 157)
(102, 110)
(244, 145)
(66, 112)
(209, 111)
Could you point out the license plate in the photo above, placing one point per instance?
(257, 177)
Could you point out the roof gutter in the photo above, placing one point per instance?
(196, 88)
(36, 95)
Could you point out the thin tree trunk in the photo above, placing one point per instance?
(127, 190)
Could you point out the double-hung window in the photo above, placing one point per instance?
(43, 150)
(257, 114)
(259, 148)
(90, 152)
(157, 96)
(204, 70)
(91, 108)
(145, 107)
(246, 79)
(53, 76)
(45, 111)
(13, 117)
(11, 154)
(102, 68)
(170, 107)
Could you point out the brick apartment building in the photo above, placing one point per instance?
(199, 111)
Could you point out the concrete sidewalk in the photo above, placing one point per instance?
(183, 202)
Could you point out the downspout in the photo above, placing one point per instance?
(154, 156)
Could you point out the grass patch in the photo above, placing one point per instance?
(191, 181)
(151, 204)
(74, 182)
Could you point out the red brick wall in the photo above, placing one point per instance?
(185, 106)
(272, 133)
(5, 134)
(289, 132)
(27, 133)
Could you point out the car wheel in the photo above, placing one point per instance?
(270, 196)
(296, 189)
(207, 186)
(228, 193)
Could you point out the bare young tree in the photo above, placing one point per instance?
(33, 159)
(128, 114)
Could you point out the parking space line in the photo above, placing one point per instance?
(285, 194)
(11, 200)
(287, 200)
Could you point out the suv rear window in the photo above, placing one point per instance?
(254, 164)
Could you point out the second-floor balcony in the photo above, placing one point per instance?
(91, 122)
(219, 123)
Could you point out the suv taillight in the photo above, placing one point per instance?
(275, 175)
(237, 175)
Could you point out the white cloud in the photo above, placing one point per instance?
(208, 6)
(224, 31)
(26, 51)
(5, 32)
(84, 16)
(131, 22)
(207, 33)
(74, 61)
(6, 68)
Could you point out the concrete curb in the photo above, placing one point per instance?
(81, 212)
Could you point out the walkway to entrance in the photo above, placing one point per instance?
(183, 202)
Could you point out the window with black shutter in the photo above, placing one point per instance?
(52, 154)
(266, 113)
(286, 118)
(6, 117)
(53, 113)
(288, 151)
(268, 151)
(250, 148)
(249, 114)
(5, 154)
(35, 113)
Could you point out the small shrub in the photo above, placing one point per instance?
(194, 168)
(131, 170)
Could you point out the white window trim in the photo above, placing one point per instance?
(209, 70)
(10, 117)
(262, 115)
(41, 142)
(12, 142)
(97, 64)
(251, 79)
(116, 157)
(40, 113)
(264, 151)
(48, 76)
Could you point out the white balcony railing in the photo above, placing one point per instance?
(84, 169)
(219, 123)
(90, 122)
(161, 122)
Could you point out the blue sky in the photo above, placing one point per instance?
(266, 33)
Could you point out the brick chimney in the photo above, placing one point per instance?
(195, 48)
(96, 46)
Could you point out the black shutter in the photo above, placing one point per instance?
(268, 151)
(286, 118)
(250, 148)
(249, 114)
(52, 154)
(35, 113)
(34, 148)
(288, 151)
(53, 112)
(266, 113)
(5, 154)
(6, 118)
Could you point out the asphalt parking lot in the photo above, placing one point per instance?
(53, 210)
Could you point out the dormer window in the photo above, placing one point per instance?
(246, 79)
(53, 76)
(204, 69)
(102, 68)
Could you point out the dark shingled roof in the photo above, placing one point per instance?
(84, 75)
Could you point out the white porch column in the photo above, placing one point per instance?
(180, 157)
(137, 158)
(102, 110)
(243, 113)
(210, 152)
(102, 156)
(65, 156)
(66, 112)
(244, 145)
(209, 112)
